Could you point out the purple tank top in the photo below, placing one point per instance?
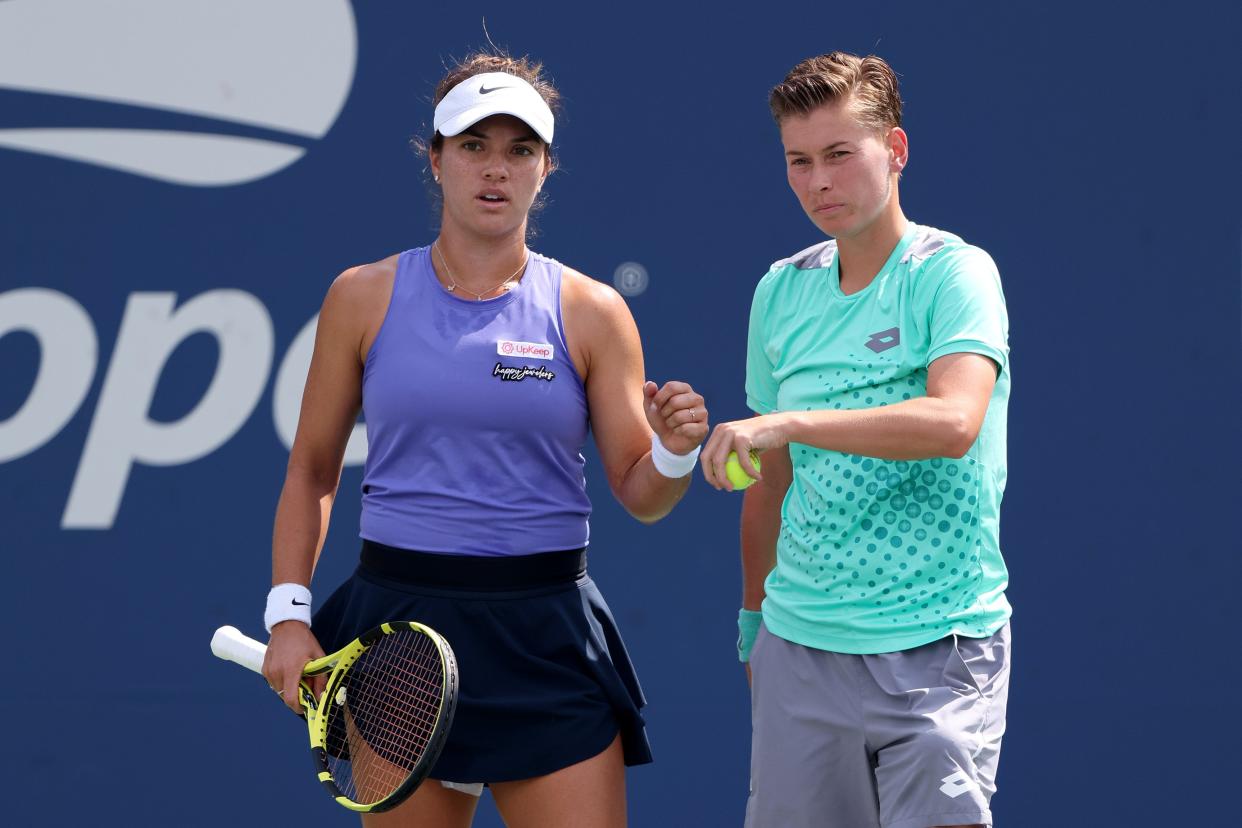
(476, 418)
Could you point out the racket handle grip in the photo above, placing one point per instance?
(229, 644)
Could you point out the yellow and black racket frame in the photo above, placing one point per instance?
(317, 718)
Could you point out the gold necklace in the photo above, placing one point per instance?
(478, 297)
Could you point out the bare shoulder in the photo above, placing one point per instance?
(356, 304)
(589, 303)
(598, 324)
(363, 287)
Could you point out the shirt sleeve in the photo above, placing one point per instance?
(761, 385)
(967, 311)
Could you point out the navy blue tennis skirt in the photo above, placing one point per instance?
(546, 681)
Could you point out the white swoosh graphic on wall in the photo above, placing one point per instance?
(285, 65)
(191, 158)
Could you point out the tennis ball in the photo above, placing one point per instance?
(736, 474)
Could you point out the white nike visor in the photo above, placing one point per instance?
(493, 93)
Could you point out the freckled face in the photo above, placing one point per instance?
(490, 174)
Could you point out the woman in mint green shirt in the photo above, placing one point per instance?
(878, 366)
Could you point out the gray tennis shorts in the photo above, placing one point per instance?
(901, 740)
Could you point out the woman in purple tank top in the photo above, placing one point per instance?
(480, 367)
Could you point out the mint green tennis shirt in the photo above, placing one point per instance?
(876, 555)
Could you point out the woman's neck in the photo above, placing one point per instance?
(479, 264)
(862, 256)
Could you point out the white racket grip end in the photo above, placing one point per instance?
(229, 644)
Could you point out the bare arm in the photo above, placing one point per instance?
(945, 423)
(761, 524)
(625, 410)
(330, 405)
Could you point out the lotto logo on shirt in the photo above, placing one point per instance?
(530, 350)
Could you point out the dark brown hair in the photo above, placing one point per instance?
(867, 85)
(478, 63)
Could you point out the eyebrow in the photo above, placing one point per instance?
(825, 149)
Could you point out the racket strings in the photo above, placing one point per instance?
(382, 718)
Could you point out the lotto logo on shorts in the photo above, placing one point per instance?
(956, 784)
(529, 350)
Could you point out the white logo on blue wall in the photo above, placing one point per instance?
(285, 66)
(122, 432)
(630, 278)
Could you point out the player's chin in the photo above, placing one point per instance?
(838, 224)
(499, 222)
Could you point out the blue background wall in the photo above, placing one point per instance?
(1091, 150)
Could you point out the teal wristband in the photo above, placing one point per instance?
(747, 628)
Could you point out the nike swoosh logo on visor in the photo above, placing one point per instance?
(483, 90)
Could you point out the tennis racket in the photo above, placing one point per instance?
(383, 716)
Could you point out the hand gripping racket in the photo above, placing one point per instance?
(381, 721)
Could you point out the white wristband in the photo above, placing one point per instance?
(287, 602)
(669, 464)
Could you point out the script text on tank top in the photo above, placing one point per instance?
(122, 432)
(511, 373)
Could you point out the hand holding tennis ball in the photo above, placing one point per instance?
(725, 467)
(736, 474)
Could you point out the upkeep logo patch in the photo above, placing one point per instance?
(526, 350)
